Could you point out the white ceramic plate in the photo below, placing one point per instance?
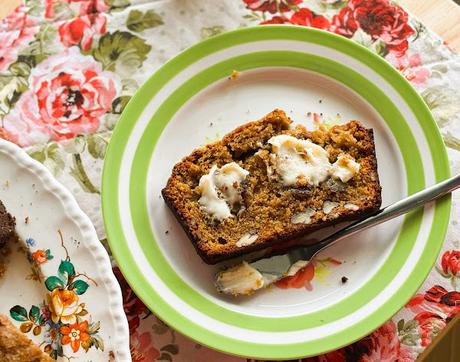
(76, 303)
(190, 101)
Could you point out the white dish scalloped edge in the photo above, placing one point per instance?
(120, 336)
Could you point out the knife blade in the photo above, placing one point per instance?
(246, 278)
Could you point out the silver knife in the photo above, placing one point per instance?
(246, 278)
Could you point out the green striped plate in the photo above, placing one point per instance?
(190, 101)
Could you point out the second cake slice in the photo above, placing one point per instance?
(265, 185)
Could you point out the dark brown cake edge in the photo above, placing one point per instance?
(7, 224)
(186, 228)
(299, 235)
(211, 259)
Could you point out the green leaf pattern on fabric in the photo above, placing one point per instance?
(121, 52)
(97, 146)
(207, 32)
(118, 5)
(138, 21)
(445, 106)
(43, 45)
(78, 172)
(11, 88)
(376, 46)
(51, 155)
(443, 102)
(408, 333)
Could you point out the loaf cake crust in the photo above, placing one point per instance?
(272, 216)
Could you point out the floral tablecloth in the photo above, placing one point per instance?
(69, 67)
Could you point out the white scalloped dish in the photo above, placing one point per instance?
(58, 285)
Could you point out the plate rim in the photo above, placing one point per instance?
(441, 166)
(87, 230)
(245, 62)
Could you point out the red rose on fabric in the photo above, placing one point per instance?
(381, 19)
(429, 325)
(16, 30)
(306, 17)
(411, 67)
(277, 20)
(83, 7)
(382, 345)
(436, 300)
(450, 262)
(91, 6)
(142, 348)
(433, 310)
(272, 6)
(49, 8)
(81, 30)
(4, 134)
(68, 94)
(132, 305)
(334, 356)
(440, 295)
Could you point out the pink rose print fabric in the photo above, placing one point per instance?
(306, 17)
(381, 19)
(68, 93)
(382, 345)
(69, 67)
(271, 6)
(410, 65)
(81, 30)
(82, 7)
(15, 30)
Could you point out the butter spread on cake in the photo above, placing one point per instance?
(303, 163)
(299, 162)
(221, 190)
(344, 168)
(268, 184)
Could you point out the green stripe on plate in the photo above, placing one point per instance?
(392, 116)
(320, 65)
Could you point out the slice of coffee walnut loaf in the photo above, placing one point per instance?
(266, 183)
